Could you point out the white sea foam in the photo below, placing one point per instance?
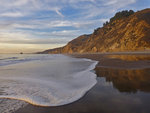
(45, 80)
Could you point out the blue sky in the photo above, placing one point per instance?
(36, 25)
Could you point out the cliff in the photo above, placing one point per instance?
(123, 33)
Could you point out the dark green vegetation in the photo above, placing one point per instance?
(119, 15)
(122, 14)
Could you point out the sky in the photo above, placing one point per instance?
(36, 25)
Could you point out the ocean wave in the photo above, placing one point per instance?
(47, 81)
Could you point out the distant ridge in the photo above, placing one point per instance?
(126, 31)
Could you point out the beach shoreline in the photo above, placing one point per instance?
(94, 100)
(121, 60)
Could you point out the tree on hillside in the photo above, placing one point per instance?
(122, 14)
(119, 15)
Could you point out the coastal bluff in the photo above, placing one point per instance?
(126, 31)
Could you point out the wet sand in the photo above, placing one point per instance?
(123, 87)
(118, 60)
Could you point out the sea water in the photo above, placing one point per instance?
(43, 80)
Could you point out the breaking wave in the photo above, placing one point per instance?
(46, 80)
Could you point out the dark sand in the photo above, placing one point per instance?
(123, 87)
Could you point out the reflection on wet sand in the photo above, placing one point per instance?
(132, 76)
(130, 57)
(126, 80)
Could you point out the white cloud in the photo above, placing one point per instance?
(88, 8)
(22, 37)
(11, 14)
(116, 4)
(59, 13)
(44, 22)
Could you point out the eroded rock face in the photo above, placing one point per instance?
(127, 34)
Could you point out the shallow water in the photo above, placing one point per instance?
(43, 80)
(118, 90)
(127, 80)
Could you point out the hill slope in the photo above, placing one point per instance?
(128, 33)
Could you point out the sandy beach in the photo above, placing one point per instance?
(75, 56)
(123, 87)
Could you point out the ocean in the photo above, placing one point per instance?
(43, 80)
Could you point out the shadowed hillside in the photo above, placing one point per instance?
(126, 31)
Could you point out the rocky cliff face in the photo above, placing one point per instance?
(130, 33)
